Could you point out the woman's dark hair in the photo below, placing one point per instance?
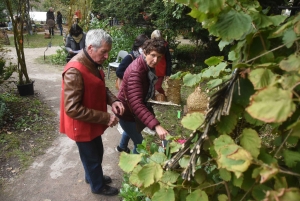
(75, 30)
(154, 44)
(58, 13)
(139, 41)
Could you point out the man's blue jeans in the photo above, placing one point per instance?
(130, 131)
(91, 155)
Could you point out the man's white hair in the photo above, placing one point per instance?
(95, 37)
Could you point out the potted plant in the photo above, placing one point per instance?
(24, 84)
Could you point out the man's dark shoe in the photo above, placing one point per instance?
(119, 149)
(107, 180)
(107, 190)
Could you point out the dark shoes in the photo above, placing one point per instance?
(107, 190)
(107, 180)
(119, 149)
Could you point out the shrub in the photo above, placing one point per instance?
(60, 57)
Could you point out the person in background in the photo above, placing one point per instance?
(83, 107)
(50, 16)
(75, 41)
(163, 69)
(135, 53)
(137, 88)
(59, 22)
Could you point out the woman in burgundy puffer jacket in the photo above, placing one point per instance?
(136, 89)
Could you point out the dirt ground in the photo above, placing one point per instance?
(58, 175)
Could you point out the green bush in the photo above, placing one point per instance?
(60, 57)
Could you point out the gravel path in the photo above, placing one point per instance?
(58, 175)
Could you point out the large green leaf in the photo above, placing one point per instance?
(134, 179)
(192, 121)
(164, 194)
(263, 21)
(184, 161)
(150, 173)
(214, 71)
(150, 190)
(251, 141)
(289, 37)
(261, 78)
(169, 177)
(232, 25)
(259, 191)
(159, 158)
(213, 82)
(238, 181)
(197, 195)
(212, 61)
(291, 158)
(289, 81)
(211, 7)
(200, 176)
(283, 194)
(129, 161)
(291, 64)
(222, 141)
(191, 80)
(271, 105)
(227, 124)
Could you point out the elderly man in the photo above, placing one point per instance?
(83, 114)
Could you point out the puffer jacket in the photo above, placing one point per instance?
(134, 88)
(73, 106)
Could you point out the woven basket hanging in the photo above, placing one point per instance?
(197, 101)
(173, 90)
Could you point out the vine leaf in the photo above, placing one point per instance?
(290, 194)
(264, 21)
(224, 174)
(169, 177)
(291, 158)
(150, 190)
(200, 176)
(129, 161)
(159, 158)
(134, 179)
(214, 82)
(259, 192)
(232, 25)
(222, 197)
(238, 181)
(227, 124)
(192, 121)
(261, 78)
(212, 61)
(150, 173)
(197, 195)
(184, 161)
(251, 141)
(289, 37)
(214, 71)
(289, 81)
(291, 64)
(164, 194)
(191, 80)
(231, 156)
(271, 105)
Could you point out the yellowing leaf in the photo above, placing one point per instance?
(251, 141)
(129, 161)
(261, 78)
(271, 105)
(267, 172)
(291, 64)
(134, 179)
(169, 177)
(197, 195)
(192, 121)
(164, 194)
(150, 173)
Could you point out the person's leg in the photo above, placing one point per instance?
(123, 146)
(130, 129)
(61, 29)
(158, 85)
(91, 155)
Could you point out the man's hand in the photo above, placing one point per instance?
(118, 108)
(113, 120)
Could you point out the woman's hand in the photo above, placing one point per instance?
(162, 133)
(118, 108)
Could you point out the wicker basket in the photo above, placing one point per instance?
(160, 97)
(197, 101)
(173, 90)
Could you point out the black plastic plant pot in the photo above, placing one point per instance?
(26, 89)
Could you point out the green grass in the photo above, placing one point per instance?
(38, 40)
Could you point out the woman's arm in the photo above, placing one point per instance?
(123, 66)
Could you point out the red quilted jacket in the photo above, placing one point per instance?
(135, 87)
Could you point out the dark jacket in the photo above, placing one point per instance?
(124, 64)
(50, 15)
(71, 44)
(59, 19)
(135, 87)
